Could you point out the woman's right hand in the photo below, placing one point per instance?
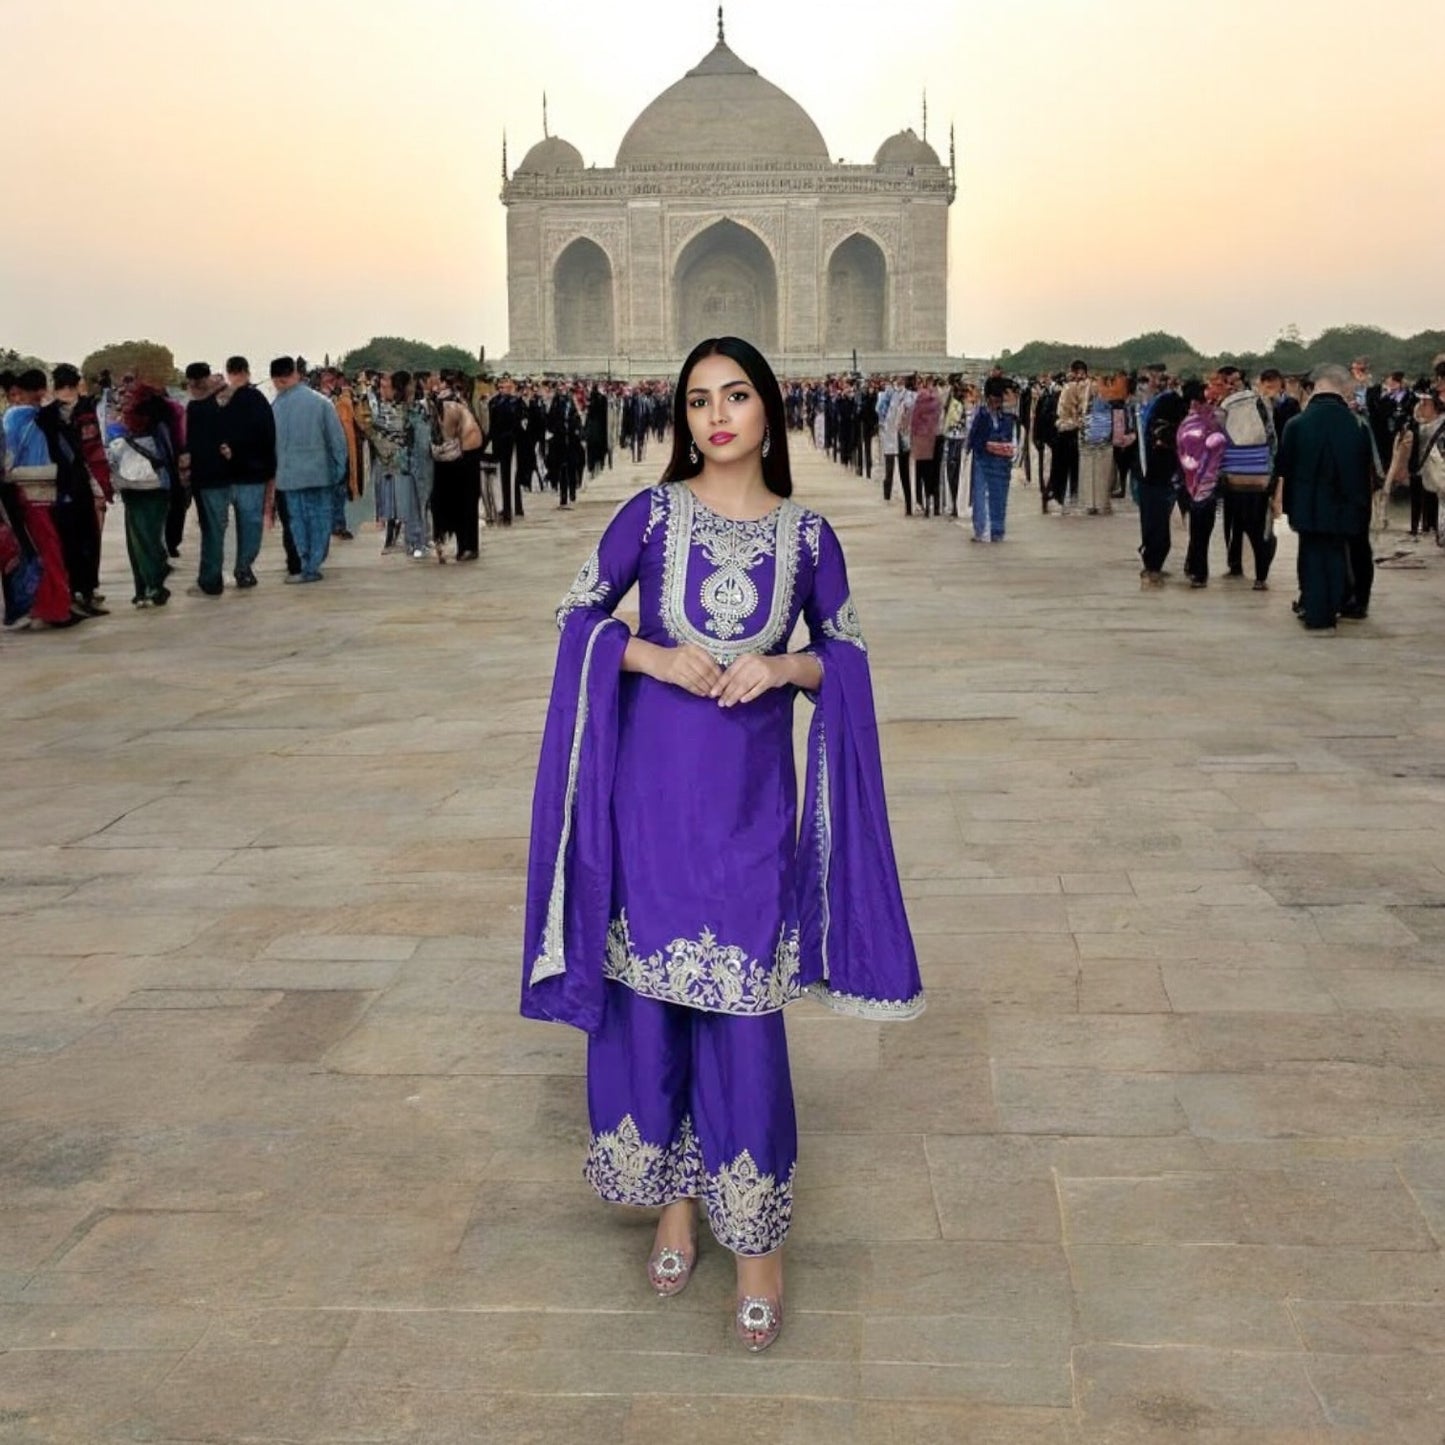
(687, 667)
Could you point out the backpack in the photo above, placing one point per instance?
(1246, 423)
(1098, 422)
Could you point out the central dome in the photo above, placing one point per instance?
(722, 110)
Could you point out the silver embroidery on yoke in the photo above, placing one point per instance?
(728, 595)
(703, 973)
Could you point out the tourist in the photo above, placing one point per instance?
(895, 429)
(1044, 431)
(1159, 422)
(1096, 440)
(143, 468)
(311, 459)
(1247, 474)
(82, 485)
(955, 435)
(596, 431)
(1068, 421)
(1427, 465)
(384, 425)
(248, 444)
(1326, 466)
(923, 443)
(210, 475)
(991, 441)
(679, 973)
(504, 413)
(562, 422)
(531, 429)
(1124, 419)
(334, 388)
(1200, 443)
(32, 475)
(416, 482)
(456, 443)
(867, 427)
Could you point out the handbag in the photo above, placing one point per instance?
(135, 468)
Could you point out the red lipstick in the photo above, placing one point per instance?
(720, 438)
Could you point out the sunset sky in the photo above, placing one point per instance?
(270, 177)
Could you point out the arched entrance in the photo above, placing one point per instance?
(857, 297)
(582, 288)
(725, 285)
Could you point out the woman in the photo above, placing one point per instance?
(143, 468)
(1200, 444)
(894, 407)
(923, 444)
(991, 444)
(383, 423)
(955, 431)
(672, 911)
(456, 442)
(1427, 465)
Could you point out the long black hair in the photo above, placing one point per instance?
(777, 474)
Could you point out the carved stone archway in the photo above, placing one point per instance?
(725, 283)
(582, 300)
(857, 305)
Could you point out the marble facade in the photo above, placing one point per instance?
(725, 213)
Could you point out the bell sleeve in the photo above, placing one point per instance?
(569, 869)
(857, 951)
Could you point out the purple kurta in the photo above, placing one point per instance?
(665, 852)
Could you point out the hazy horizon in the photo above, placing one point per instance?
(282, 178)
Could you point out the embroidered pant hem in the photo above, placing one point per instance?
(686, 1104)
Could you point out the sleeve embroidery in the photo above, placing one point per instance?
(813, 535)
(844, 626)
(588, 590)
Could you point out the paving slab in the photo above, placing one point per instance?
(1164, 1160)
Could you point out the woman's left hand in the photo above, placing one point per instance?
(748, 678)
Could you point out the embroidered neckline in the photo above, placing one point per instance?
(767, 516)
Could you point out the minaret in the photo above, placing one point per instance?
(952, 166)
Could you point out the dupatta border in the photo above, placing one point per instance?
(552, 959)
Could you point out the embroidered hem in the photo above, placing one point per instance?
(748, 1211)
(625, 1169)
(857, 1006)
(703, 973)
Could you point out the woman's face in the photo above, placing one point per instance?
(724, 411)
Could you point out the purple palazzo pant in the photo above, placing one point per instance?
(692, 1105)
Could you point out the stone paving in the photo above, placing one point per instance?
(1165, 1160)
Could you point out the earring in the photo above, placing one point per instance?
(692, 455)
(767, 441)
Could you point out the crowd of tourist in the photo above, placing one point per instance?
(438, 454)
(293, 451)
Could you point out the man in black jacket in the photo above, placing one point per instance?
(1326, 462)
(502, 417)
(248, 444)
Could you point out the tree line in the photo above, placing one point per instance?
(1290, 352)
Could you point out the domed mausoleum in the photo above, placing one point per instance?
(724, 213)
